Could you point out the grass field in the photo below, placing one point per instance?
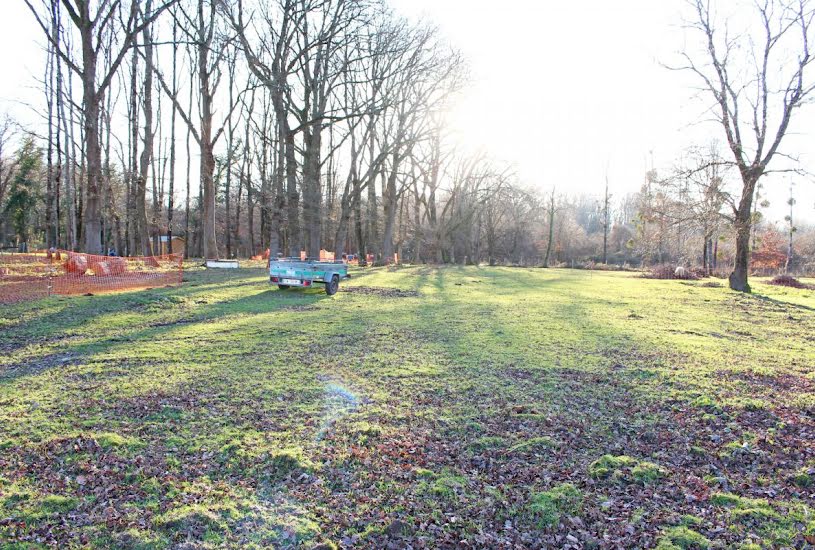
(491, 407)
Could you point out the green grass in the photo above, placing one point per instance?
(626, 469)
(227, 413)
(547, 507)
(684, 538)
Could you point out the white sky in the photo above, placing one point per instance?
(563, 88)
(560, 89)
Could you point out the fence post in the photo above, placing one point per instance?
(50, 271)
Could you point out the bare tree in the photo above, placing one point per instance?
(141, 238)
(266, 41)
(551, 210)
(210, 48)
(93, 27)
(427, 76)
(697, 191)
(171, 190)
(606, 220)
(758, 80)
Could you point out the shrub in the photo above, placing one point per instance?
(670, 271)
(789, 281)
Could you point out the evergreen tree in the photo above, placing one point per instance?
(24, 195)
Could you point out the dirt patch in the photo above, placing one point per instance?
(380, 291)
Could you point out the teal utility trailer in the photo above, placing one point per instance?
(294, 272)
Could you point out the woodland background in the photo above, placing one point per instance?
(320, 124)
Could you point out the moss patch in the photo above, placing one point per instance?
(547, 507)
(684, 538)
(625, 469)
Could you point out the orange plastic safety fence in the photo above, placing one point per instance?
(32, 276)
(88, 273)
(24, 277)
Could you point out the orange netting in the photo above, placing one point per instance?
(32, 276)
(24, 277)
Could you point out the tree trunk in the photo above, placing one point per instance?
(171, 190)
(93, 170)
(68, 163)
(295, 236)
(50, 225)
(417, 221)
(715, 255)
(738, 278)
(265, 190)
(389, 200)
(743, 223)
(92, 98)
(359, 228)
(372, 235)
(187, 235)
(210, 243)
(605, 224)
(705, 257)
(551, 229)
(345, 204)
(132, 156)
(278, 220)
(250, 219)
(312, 190)
(70, 172)
(141, 238)
(230, 134)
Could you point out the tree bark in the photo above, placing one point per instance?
(171, 190)
(551, 229)
(743, 222)
(390, 199)
(141, 236)
(50, 225)
(294, 232)
(312, 190)
(207, 165)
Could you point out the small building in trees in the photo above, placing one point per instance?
(164, 245)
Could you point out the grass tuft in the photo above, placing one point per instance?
(547, 507)
(626, 469)
(487, 443)
(683, 538)
(533, 444)
(110, 441)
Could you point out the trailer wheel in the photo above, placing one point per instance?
(333, 285)
(283, 287)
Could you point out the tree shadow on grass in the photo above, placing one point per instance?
(86, 309)
(781, 303)
(478, 378)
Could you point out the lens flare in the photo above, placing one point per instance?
(338, 401)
